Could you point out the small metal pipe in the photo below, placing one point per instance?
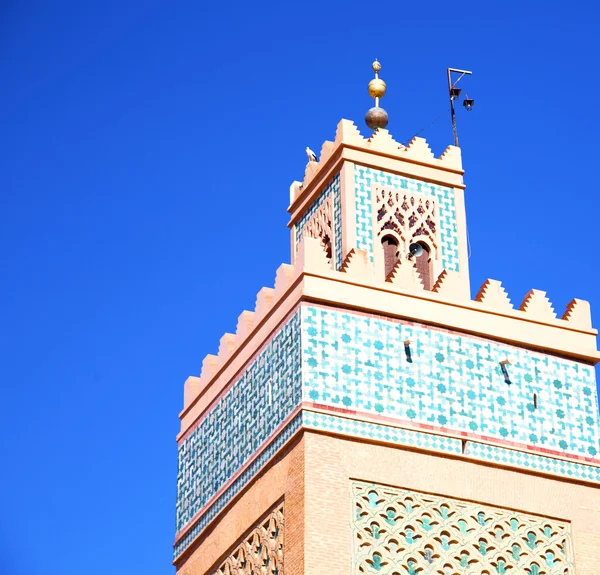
(452, 114)
(450, 86)
(459, 71)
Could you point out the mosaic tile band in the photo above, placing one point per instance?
(390, 435)
(259, 401)
(523, 460)
(429, 441)
(252, 470)
(377, 432)
(450, 380)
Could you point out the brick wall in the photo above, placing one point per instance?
(283, 478)
(331, 464)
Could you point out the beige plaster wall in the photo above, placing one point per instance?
(314, 475)
(332, 462)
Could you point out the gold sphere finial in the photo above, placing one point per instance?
(376, 117)
(377, 86)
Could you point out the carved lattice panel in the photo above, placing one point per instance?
(397, 531)
(261, 552)
(320, 225)
(410, 215)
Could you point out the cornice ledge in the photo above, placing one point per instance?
(312, 279)
(382, 144)
(434, 309)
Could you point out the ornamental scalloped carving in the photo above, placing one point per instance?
(412, 216)
(260, 552)
(402, 532)
(320, 225)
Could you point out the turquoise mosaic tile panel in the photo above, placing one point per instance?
(337, 222)
(365, 430)
(332, 188)
(534, 462)
(260, 400)
(364, 178)
(239, 483)
(454, 381)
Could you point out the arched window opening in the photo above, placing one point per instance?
(327, 245)
(390, 253)
(423, 264)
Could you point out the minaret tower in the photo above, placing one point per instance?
(370, 416)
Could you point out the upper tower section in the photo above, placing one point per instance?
(400, 204)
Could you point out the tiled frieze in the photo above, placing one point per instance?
(402, 531)
(390, 434)
(256, 404)
(387, 434)
(337, 222)
(331, 190)
(261, 551)
(365, 178)
(377, 432)
(248, 474)
(449, 380)
(541, 463)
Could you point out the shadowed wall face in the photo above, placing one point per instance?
(240, 421)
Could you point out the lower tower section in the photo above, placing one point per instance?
(362, 443)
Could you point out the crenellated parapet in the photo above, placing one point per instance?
(381, 143)
(490, 313)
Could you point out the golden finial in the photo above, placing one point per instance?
(376, 117)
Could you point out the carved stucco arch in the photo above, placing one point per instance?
(260, 552)
(401, 531)
(408, 216)
(320, 226)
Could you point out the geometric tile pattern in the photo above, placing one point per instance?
(337, 221)
(260, 552)
(332, 188)
(365, 177)
(429, 441)
(251, 471)
(452, 380)
(401, 531)
(260, 399)
(374, 431)
(385, 433)
(536, 463)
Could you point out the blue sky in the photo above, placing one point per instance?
(135, 135)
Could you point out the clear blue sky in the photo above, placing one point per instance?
(132, 130)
